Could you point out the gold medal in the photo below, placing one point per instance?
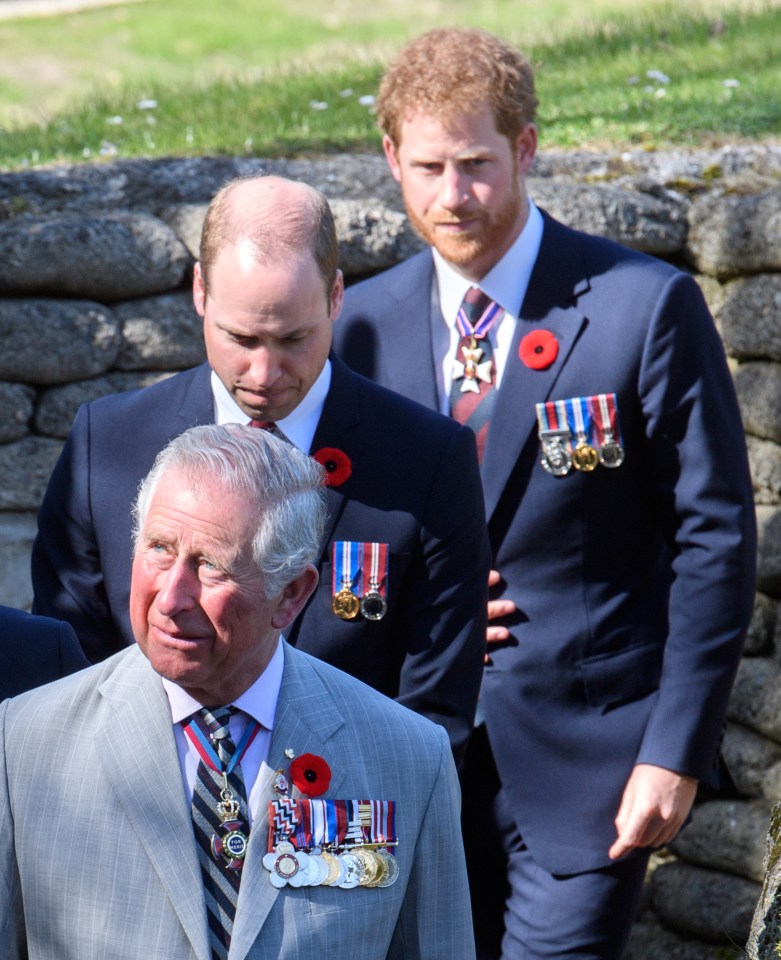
(584, 457)
(345, 604)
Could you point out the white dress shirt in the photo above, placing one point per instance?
(505, 284)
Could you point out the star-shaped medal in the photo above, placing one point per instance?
(472, 370)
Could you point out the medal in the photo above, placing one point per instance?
(333, 843)
(554, 433)
(345, 604)
(477, 366)
(346, 567)
(231, 847)
(556, 458)
(604, 409)
(472, 370)
(374, 606)
(584, 457)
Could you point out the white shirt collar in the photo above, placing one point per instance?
(505, 283)
(299, 426)
(259, 701)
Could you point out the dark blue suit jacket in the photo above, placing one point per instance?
(35, 650)
(634, 586)
(414, 485)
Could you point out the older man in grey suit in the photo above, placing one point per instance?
(213, 792)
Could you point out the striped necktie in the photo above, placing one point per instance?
(221, 878)
(473, 390)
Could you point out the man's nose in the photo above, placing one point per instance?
(263, 368)
(179, 589)
(453, 189)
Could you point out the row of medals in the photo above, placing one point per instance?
(346, 605)
(558, 460)
(353, 867)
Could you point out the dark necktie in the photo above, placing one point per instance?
(473, 390)
(271, 427)
(221, 874)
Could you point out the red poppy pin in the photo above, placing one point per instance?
(338, 466)
(539, 349)
(310, 774)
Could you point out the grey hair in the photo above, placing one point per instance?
(284, 484)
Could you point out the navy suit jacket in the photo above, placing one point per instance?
(414, 485)
(634, 586)
(35, 650)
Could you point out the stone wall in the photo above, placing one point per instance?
(95, 267)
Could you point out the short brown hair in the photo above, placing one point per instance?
(272, 229)
(457, 70)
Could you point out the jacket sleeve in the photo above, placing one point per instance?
(697, 454)
(435, 921)
(66, 569)
(444, 606)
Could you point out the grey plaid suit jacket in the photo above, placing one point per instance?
(97, 856)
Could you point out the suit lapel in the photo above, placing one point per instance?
(556, 282)
(337, 427)
(409, 362)
(198, 403)
(306, 719)
(138, 752)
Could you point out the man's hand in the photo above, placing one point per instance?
(497, 609)
(655, 804)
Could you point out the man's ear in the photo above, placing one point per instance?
(292, 600)
(199, 290)
(391, 155)
(526, 148)
(336, 300)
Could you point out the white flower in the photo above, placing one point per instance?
(730, 83)
(318, 105)
(657, 75)
(108, 149)
(660, 93)
(346, 93)
(114, 121)
(289, 753)
(366, 101)
(146, 104)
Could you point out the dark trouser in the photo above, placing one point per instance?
(522, 912)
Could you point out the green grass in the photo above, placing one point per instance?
(244, 77)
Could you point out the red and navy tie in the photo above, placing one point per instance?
(473, 390)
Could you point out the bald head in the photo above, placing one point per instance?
(277, 218)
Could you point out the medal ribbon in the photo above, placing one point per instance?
(209, 755)
(483, 325)
(579, 417)
(376, 565)
(307, 824)
(604, 408)
(346, 563)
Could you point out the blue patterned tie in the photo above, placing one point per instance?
(220, 880)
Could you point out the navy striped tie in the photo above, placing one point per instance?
(220, 882)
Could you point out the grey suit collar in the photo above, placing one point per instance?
(138, 752)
